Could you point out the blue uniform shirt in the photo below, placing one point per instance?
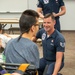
(49, 6)
(51, 44)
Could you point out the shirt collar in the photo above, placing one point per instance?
(53, 35)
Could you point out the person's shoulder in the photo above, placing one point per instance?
(40, 1)
(61, 2)
(13, 40)
(27, 41)
(31, 43)
(60, 35)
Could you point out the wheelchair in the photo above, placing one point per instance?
(23, 69)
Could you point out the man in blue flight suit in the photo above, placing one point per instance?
(53, 44)
(51, 6)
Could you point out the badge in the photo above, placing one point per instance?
(43, 36)
(46, 1)
(52, 40)
(62, 44)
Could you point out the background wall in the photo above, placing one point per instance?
(14, 8)
(13, 5)
(68, 20)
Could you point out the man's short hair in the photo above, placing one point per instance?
(27, 19)
(49, 15)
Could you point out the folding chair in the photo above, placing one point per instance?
(13, 29)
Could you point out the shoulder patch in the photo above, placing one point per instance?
(62, 44)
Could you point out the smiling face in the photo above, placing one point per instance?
(48, 24)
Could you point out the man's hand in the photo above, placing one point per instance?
(55, 15)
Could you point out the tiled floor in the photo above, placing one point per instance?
(69, 68)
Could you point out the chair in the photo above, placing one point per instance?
(31, 69)
(12, 29)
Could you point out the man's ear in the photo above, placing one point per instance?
(54, 22)
(32, 28)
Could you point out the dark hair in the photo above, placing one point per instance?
(27, 19)
(0, 26)
(49, 15)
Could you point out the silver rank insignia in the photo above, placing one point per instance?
(62, 44)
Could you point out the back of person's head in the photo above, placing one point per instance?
(0, 26)
(27, 19)
(49, 15)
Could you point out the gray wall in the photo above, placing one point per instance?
(14, 8)
(13, 5)
(68, 20)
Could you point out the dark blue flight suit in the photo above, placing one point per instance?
(49, 6)
(52, 44)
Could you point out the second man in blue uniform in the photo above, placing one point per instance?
(52, 6)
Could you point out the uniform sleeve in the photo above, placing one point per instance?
(61, 2)
(60, 44)
(40, 4)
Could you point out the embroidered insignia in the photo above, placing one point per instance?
(43, 36)
(46, 1)
(62, 44)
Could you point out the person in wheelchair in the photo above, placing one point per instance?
(22, 49)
